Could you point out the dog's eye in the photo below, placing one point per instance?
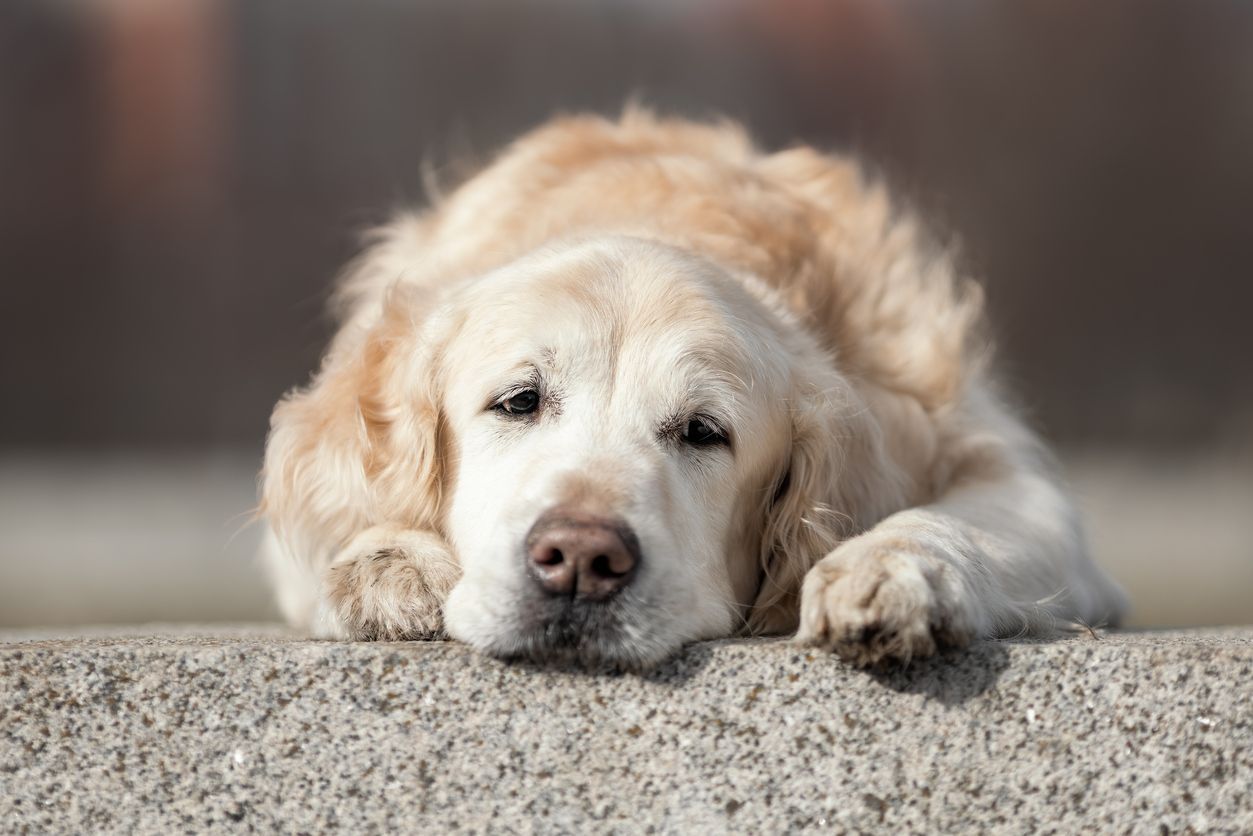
(702, 432)
(520, 403)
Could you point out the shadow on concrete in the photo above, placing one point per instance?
(680, 669)
(674, 672)
(952, 677)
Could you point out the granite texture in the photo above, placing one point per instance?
(246, 729)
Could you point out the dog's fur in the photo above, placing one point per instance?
(875, 495)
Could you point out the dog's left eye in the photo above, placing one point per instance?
(702, 432)
(519, 403)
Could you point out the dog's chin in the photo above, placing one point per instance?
(614, 635)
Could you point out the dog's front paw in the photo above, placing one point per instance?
(390, 587)
(879, 599)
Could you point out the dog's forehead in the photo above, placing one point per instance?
(609, 303)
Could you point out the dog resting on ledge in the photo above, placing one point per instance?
(637, 383)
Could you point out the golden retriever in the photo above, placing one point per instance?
(637, 384)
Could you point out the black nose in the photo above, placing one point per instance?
(581, 556)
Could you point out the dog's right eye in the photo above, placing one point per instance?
(519, 403)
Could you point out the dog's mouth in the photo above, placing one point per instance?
(612, 633)
(565, 627)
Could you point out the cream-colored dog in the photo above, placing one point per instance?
(637, 384)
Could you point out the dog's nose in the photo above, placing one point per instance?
(581, 556)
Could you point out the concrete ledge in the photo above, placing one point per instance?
(247, 729)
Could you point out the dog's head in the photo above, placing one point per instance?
(626, 447)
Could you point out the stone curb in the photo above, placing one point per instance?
(241, 729)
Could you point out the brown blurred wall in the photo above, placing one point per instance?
(180, 182)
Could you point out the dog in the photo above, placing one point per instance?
(637, 383)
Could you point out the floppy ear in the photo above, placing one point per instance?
(839, 480)
(360, 446)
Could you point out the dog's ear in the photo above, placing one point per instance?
(838, 481)
(360, 446)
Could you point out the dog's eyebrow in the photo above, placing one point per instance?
(706, 382)
(528, 374)
(523, 374)
(709, 395)
(681, 416)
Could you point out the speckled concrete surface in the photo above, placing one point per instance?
(241, 730)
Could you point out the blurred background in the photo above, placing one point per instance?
(180, 181)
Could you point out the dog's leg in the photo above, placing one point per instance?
(388, 584)
(993, 557)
